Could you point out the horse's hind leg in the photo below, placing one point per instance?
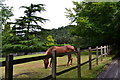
(69, 60)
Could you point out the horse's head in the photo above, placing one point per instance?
(46, 62)
(70, 48)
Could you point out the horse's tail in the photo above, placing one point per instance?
(49, 51)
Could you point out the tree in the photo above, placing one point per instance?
(6, 13)
(97, 22)
(8, 38)
(13, 43)
(17, 44)
(30, 23)
(50, 41)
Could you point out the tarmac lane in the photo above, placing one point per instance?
(112, 72)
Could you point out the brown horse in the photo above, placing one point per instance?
(62, 49)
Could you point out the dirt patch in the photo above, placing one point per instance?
(26, 73)
(34, 64)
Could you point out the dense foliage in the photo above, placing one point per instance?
(97, 23)
(26, 34)
(50, 41)
(22, 36)
(30, 23)
(5, 14)
(62, 35)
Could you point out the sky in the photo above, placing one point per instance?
(55, 11)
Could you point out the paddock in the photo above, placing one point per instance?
(36, 67)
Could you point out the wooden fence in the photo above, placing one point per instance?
(10, 62)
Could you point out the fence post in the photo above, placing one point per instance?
(109, 47)
(119, 68)
(9, 67)
(54, 65)
(79, 63)
(101, 53)
(105, 51)
(90, 59)
(97, 55)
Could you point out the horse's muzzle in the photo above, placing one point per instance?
(46, 66)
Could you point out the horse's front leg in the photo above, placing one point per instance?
(50, 63)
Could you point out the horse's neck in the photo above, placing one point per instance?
(49, 51)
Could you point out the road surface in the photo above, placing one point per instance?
(112, 72)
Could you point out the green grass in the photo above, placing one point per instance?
(85, 72)
(35, 69)
(24, 56)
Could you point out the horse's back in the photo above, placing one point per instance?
(58, 49)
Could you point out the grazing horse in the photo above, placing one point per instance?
(62, 49)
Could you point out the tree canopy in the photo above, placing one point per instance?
(5, 14)
(98, 23)
(62, 35)
(30, 23)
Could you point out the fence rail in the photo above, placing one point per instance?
(24, 60)
(10, 62)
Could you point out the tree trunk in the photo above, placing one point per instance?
(26, 53)
(115, 49)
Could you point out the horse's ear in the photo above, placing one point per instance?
(44, 60)
(67, 47)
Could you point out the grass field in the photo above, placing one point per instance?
(36, 70)
(20, 57)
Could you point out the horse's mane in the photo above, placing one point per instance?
(50, 49)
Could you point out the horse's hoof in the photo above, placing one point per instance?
(70, 64)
